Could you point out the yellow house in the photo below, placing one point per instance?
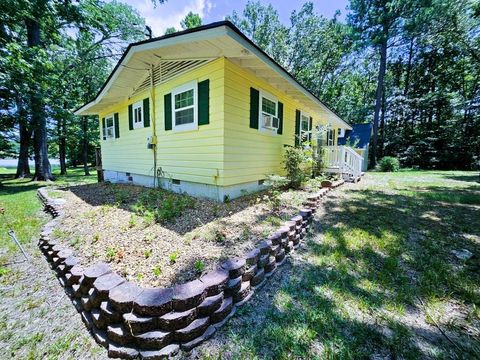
(206, 112)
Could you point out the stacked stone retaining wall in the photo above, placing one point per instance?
(154, 323)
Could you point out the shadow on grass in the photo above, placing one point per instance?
(379, 255)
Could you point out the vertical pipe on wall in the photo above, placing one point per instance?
(154, 126)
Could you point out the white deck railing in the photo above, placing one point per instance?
(344, 160)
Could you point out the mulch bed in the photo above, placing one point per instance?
(102, 223)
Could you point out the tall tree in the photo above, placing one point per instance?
(191, 21)
(376, 23)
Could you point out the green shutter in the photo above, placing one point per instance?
(203, 102)
(297, 128)
(254, 98)
(167, 102)
(310, 130)
(280, 118)
(103, 129)
(116, 125)
(146, 112)
(130, 117)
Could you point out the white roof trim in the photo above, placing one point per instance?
(202, 35)
(185, 38)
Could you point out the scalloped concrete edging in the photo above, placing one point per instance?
(155, 323)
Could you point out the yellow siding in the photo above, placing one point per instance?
(195, 155)
(224, 152)
(249, 154)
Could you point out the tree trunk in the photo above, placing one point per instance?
(378, 97)
(62, 145)
(382, 127)
(43, 171)
(85, 145)
(23, 169)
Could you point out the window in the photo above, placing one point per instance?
(184, 107)
(268, 112)
(341, 132)
(305, 130)
(138, 115)
(109, 129)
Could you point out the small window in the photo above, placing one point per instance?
(184, 107)
(341, 132)
(269, 112)
(138, 115)
(305, 130)
(109, 130)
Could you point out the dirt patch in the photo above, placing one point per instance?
(119, 224)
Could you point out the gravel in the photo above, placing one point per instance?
(101, 224)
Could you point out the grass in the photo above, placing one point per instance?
(23, 209)
(380, 280)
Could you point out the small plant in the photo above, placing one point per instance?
(173, 257)
(273, 220)
(147, 253)
(121, 196)
(96, 237)
(111, 253)
(149, 238)
(157, 270)
(75, 242)
(246, 233)
(161, 205)
(132, 222)
(139, 276)
(388, 164)
(199, 266)
(4, 271)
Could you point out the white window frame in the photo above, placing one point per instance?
(178, 90)
(341, 132)
(135, 106)
(261, 127)
(307, 132)
(105, 130)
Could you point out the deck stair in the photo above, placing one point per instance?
(345, 161)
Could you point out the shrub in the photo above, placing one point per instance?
(298, 165)
(388, 164)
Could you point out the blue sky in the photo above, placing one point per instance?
(172, 12)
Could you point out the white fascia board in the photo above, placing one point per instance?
(282, 72)
(153, 45)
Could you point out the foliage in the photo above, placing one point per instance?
(199, 266)
(297, 163)
(162, 205)
(388, 164)
(190, 21)
(157, 270)
(173, 257)
(428, 110)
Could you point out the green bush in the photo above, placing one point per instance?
(388, 164)
(298, 165)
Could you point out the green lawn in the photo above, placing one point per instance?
(22, 207)
(379, 281)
